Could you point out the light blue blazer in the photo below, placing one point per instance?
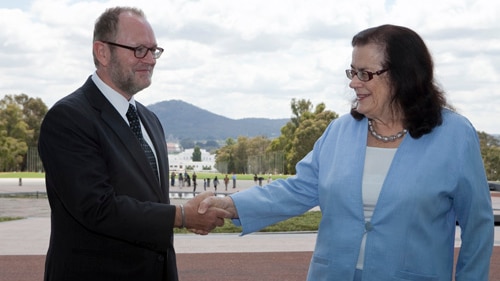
(433, 182)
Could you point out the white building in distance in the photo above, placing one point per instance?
(182, 161)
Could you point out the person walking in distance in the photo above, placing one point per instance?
(216, 183)
(226, 181)
(193, 177)
(234, 180)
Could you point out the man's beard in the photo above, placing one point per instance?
(124, 80)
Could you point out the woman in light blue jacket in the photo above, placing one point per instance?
(392, 178)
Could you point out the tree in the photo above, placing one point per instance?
(240, 155)
(187, 143)
(284, 141)
(224, 160)
(20, 119)
(490, 151)
(259, 161)
(311, 127)
(14, 134)
(211, 145)
(11, 153)
(33, 112)
(301, 132)
(234, 156)
(196, 154)
(260, 155)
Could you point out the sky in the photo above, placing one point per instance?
(243, 59)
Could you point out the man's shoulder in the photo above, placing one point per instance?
(142, 108)
(76, 97)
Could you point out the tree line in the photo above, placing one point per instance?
(21, 117)
(298, 137)
(490, 151)
(260, 155)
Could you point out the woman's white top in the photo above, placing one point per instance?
(377, 163)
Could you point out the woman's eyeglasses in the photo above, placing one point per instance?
(364, 76)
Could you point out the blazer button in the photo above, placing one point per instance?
(160, 258)
(368, 226)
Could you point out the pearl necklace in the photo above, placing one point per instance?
(385, 138)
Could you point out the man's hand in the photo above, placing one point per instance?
(203, 223)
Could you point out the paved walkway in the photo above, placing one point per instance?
(30, 236)
(264, 256)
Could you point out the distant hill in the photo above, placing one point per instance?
(186, 121)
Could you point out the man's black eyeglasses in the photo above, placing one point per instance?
(141, 51)
(364, 76)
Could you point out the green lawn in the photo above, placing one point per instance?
(2, 219)
(306, 222)
(24, 175)
(201, 175)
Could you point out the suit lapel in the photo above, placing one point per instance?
(116, 123)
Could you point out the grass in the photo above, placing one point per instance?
(24, 175)
(306, 222)
(201, 175)
(309, 221)
(2, 219)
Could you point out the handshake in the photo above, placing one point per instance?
(205, 212)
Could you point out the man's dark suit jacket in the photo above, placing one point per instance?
(111, 219)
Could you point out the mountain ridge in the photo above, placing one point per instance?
(183, 120)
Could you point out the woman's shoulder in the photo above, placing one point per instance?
(344, 128)
(455, 127)
(346, 122)
(455, 120)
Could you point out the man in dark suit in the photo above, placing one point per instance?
(108, 188)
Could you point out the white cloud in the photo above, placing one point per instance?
(250, 58)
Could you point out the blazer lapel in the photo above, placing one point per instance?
(113, 119)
